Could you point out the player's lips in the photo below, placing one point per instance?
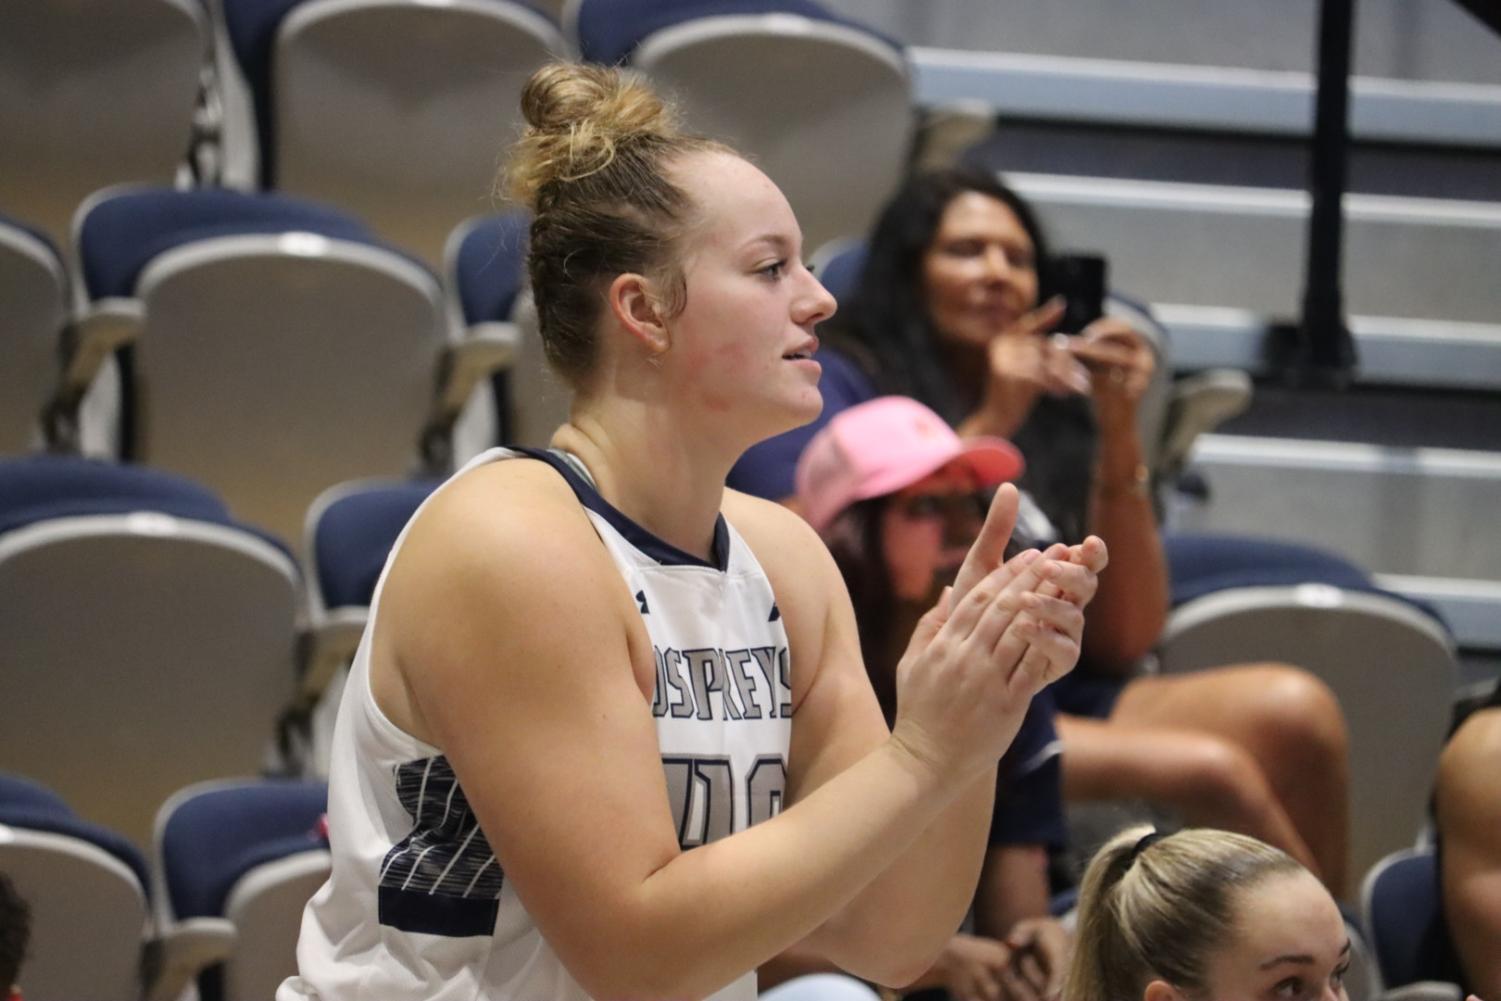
(802, 352)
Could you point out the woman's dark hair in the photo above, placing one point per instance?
(854, 540)
(15, 930)
(890, 320)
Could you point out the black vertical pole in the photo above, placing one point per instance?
(1326, 353)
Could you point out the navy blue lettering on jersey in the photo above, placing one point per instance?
(441, 879)
(710, 683)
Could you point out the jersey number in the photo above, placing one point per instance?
(704, 805)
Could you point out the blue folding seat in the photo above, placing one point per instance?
(150, 639)
(1390, 661)
(94, 94)
(406, 136)
(34, 289)
(1403, 912)
(88, 891)
(485, 272)
(350, 531)
(823, 104)
(249, 852)
(838, 266)
(280, 347)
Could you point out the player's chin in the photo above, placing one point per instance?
(804, 405)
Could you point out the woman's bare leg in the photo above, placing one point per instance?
(1290, 724)
(1208, 780)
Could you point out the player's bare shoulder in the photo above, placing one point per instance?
(500, 560)
(782, 541)
(798, 565)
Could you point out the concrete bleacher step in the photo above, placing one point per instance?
(1165, 95)
(1422, 40)
(1243, 248)
(1423, 519)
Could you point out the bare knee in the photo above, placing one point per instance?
(1219, 779)
(1298, 710)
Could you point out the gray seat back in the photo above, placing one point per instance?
(88, 915)
(824, 109)
(33, 289)
(1391, 667)
(142, 653)
(276, 366)
(93, 94)
(407, 136)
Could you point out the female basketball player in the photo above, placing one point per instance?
(1204, 914)
(583, 663)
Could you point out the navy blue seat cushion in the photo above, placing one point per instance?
(44, 487)
(354, 536)
(212, 839)
(490, 267)
(1203, 564)
(18, 792)
(1410, 933)
(610, 30)
(41, 487)
(32, 806)
(252, 26)
(841, 274)
(120, 235)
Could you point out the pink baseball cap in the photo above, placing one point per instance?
(883, 445)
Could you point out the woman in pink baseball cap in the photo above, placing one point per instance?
(900, 498)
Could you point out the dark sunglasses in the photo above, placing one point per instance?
(946, 507)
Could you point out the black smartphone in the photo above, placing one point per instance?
(1080, 279)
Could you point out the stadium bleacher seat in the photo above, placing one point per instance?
(350, 530)
(92, 95)
(1403, 913)
(823, 105)
(1389, 661)
(282, 348)
(405, 136)
(34, 289)
(150, 638)
(87, 889)
(248, 852)
(484, 270)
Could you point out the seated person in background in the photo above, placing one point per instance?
(1204, 914)
(15, 930)
(899, 499)
(947, 312)
(1468, 809)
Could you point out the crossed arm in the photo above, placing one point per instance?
(537, 686)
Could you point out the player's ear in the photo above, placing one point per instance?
(637, 308)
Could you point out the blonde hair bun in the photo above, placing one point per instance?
(578, 116)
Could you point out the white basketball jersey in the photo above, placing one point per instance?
(417, 906)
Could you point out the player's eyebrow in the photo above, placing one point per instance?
(1300, 958)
